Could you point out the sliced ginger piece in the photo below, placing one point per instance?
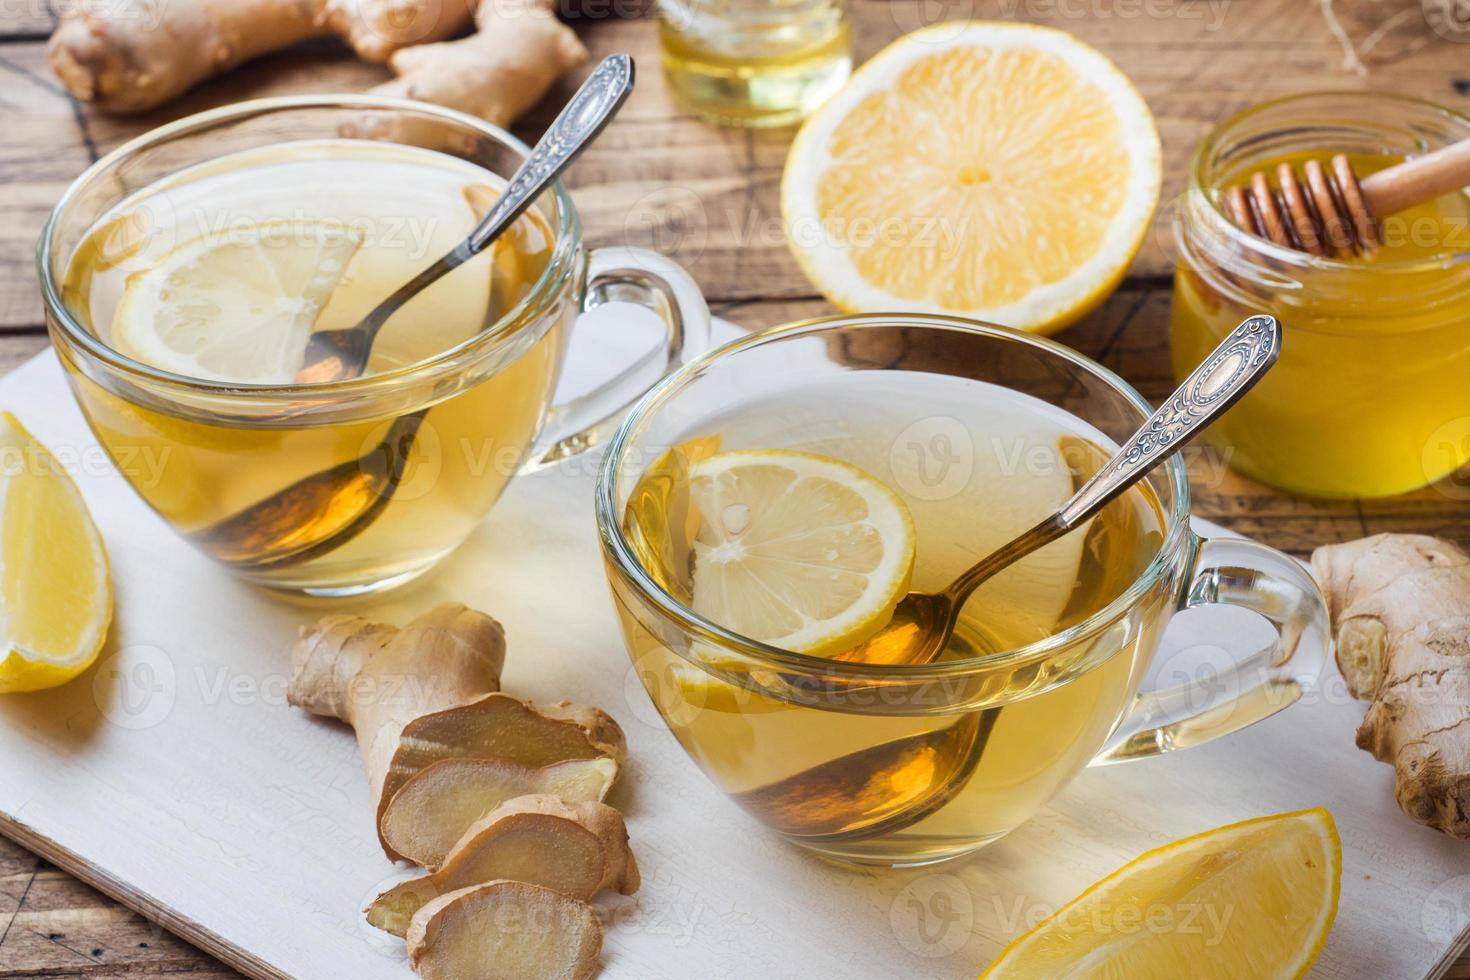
(576, 849)
(499, 726)
(436, 806)
(505, 930)
(425, 693)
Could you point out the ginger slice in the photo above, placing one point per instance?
(577, 850)
(505, 930)
(1400, 607)
(436, 806)
(499, 726)
(428, 692)
(502, 728)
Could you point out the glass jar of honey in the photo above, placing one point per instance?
(754, 63)
(1371, 395)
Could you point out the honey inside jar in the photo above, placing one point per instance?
(1369, 396)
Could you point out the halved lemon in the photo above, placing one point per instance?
(1252, 899)
(55, 590)
(1000, 171)
(801, 551)
(238, 305)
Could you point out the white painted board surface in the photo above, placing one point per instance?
(175, 775)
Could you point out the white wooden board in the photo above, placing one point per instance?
(175, 777)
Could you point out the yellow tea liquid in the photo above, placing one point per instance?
(201, 462)
(976, 464)
(1368, 397)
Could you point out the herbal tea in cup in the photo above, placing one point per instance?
(764, 510)
(185, 272)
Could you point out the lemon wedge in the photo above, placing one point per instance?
(55, 591)
(235, 306)
(798, 550)
(1252, 899)
(1000, 171)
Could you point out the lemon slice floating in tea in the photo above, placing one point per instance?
(1001, 171)
(1259, 897)
(235, 306)
(797, 550)
(55, 590)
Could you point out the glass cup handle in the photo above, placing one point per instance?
(628, 275)
(1214, 699)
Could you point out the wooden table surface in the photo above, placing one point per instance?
(708, 197)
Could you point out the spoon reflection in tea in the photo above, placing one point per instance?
(878, 790)
(924, 623)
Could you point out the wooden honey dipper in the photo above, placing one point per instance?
(1335, 213)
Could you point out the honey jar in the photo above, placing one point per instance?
(1371, 395)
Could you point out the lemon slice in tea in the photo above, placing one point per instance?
(235, 306)
(55, 589)
(801, 551)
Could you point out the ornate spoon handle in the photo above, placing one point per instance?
(590, 109)
(1236, 365)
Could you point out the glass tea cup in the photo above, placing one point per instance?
(913, 764)
(356, 485)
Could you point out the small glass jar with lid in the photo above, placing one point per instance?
(1371, 395)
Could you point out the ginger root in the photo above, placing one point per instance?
(505, 930)
(375, 29)
(1400, 606)
(424, 695)
(131, 55)
(499, 799)
(497, 73)
(577, 850)
(128, 56)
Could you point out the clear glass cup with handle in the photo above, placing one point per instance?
(908, 765)
(356, 485)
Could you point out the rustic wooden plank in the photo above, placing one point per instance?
(52, 924)
(1442, 509)
(709, 197)
(43, 148)
(66, 926)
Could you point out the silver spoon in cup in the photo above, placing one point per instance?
(924, 622)
(335, 355)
